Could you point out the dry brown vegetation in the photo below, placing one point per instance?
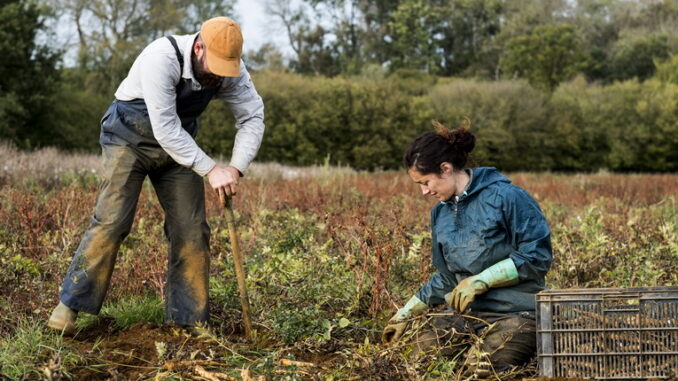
(330, 254)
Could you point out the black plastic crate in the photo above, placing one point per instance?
(608, 333)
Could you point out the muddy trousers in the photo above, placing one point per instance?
(492, 342)
(181, 195)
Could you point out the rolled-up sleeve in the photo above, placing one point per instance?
(248, 110)
(441, 282)
(161, 72)
(530, 234)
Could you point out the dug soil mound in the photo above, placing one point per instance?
(141, 351)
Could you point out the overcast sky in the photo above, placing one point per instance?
(258, 27)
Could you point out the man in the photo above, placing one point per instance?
(149, 131)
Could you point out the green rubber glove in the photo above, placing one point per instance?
(501, 274)
(397, 324)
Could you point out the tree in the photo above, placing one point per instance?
(345, 31)
(111, 33)
(411, 33)
(667, 71)
(375, 17)
(268, 57)
(634, 56)
(467, 34)
(315, 54)
(29, 75)
(546, 56)
(625, 37)
(318, 56)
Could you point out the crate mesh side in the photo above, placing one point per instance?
(622, 337)
(660, 341)
(568, 318)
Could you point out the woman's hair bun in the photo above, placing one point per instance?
(432, 148)
(460, 137)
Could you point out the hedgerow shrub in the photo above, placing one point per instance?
(627, 126)
(364, 124)
(367, 124)
(508, 117)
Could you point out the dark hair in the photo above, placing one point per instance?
(429, 150)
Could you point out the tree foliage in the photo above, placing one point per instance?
(29, 75)
(667, 71)
(366, 124)
(625, 126)
(111, 33)
(412, 33)
(468, 37)
(546, 84)
(546, 56)
(635, 56)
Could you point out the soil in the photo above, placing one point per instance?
(145, 350)
(133, 353)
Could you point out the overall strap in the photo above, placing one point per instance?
(176, 49)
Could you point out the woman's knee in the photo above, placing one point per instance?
(510, 341)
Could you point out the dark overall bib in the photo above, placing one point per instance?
(130, 154)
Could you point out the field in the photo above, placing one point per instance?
(331, 253)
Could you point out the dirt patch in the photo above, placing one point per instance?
(384, 368)
(139, 352)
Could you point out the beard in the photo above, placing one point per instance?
(206, 79)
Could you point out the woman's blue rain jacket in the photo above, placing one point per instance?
(491, 221)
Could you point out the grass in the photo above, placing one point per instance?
(126, 311)
(31, 352)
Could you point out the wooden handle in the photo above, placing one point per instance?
(239, 266)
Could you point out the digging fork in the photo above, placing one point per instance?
(227, 202)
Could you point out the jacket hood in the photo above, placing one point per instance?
(483, 177)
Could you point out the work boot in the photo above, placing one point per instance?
(63, 319)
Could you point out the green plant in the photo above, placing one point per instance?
(30, 351)
(297, 279)
(601, 249)
(127, 311)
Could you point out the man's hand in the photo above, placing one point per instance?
(224, 181)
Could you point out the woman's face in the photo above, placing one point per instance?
(439, 185)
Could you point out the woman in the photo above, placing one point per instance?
(491, 246)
